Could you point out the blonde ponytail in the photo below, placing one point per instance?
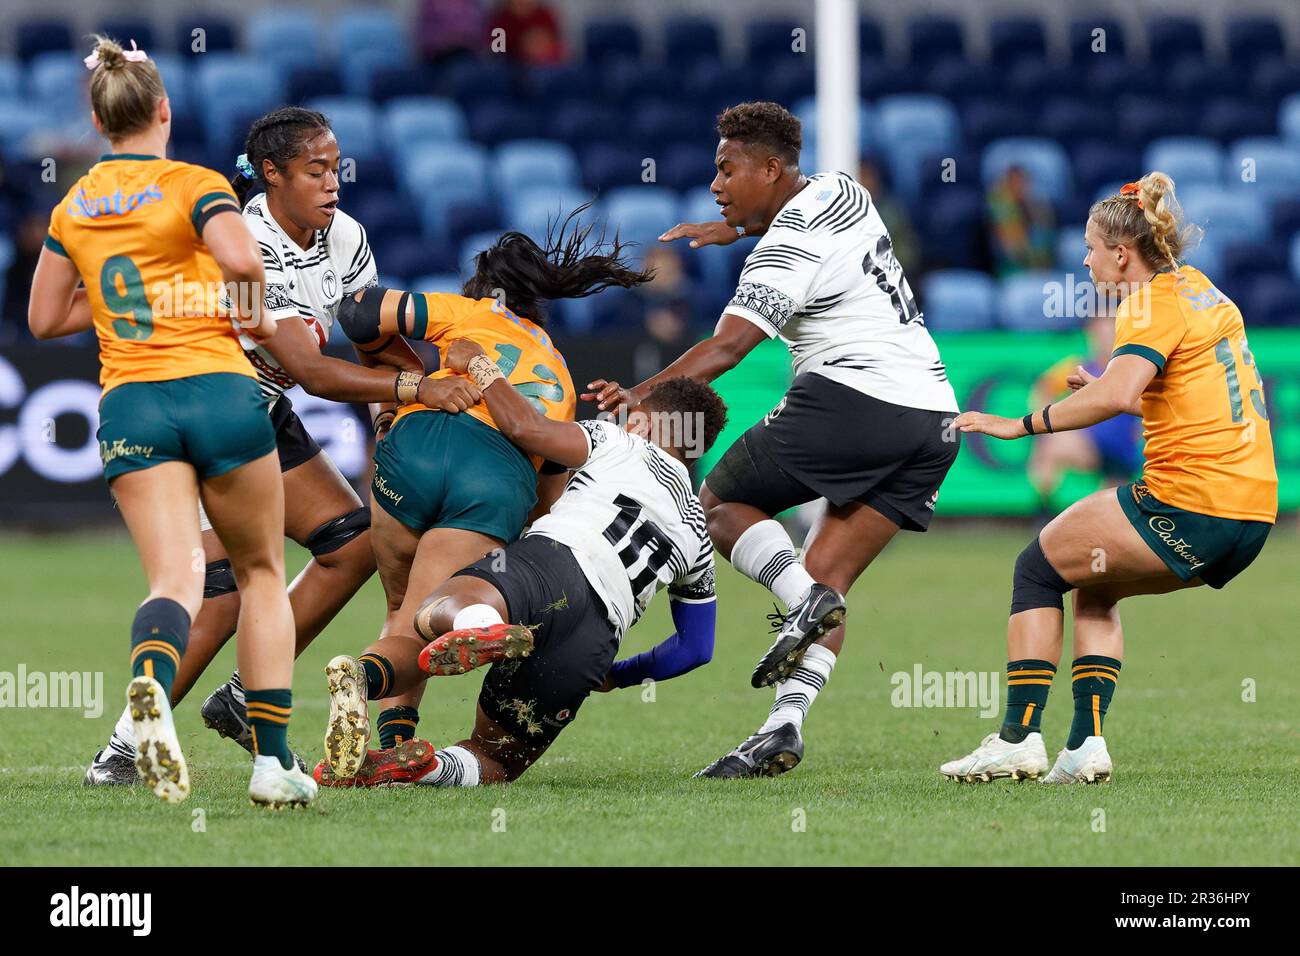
(124, 88)
(1146, 215)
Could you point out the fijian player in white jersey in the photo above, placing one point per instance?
(313, 254)
(866, 425)
(549, 610)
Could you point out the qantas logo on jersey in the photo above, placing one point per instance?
(93, 207)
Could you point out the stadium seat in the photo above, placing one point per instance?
(1016, 39)
(952, 227)
(1143, 119)
(1295, 257)
(370, 29)
(1244, 260)
(580, 123)
(355, 123)
(11, 78)
(1109, 79)
(34, 37)
(1035, 80)
(395, 82)
(1272, 80)
(468, 80)
(934, 38)
(445, 282)
(611, 40)
(660, 122)
(360, 68)
(1276, 168)
(535, 211)
(789, 81)
(1285, 219)
(19, 120)
(572, 81)
(1271, 301)
(383, 214)
(409, 257)
(1070, 248)
(868, 134)
(626, 80)
(1172, 38)
(1081, 38)
(690, 39)
(960, 80)
(989, 119)
(1237, 217)
(409, 123)
(1074, 121)
(533, 162)
(495, 121)
(308, 82)
(59, 83)
(1098, 163)
(771, 41)
(471, 247)
(871, 37)
(1288, 119)
(468, 217)
(1045, 160)
(231, 89)
(1189, 160)
(1190, 80)
(640, 214)
(712, 86)
(285, 37)
(203, 33)
(126, 29)
(910, 124)
(1252, 39)
(959, 300)
(1031, 301)
(605, 165)
(685, 166)
(1228, 118)
(877, 78)
(1206, 254)
(439, 174)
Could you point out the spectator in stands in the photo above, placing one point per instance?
(448, 29)
(532, 32)
(1022, 226)
(894, 214)
(663, 307)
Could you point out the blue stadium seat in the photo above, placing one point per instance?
(395, 82)
(771, 41)
(933, 38)
(605, 165)
(1016, 39)
(1045, 160)
(1036, 80)
(468, 217)
(1191, 80)
(469, 80)
(659, 122)
(626, 80)
(1109, 79)
(1285, 217)
(1074, 121)
(571, 81)
(959, 300)
(1271, 301)
(471, 247)
(711, 263)
(910, 124)
(1229, 118)
(1272, 80)
(1143, 119)
(11, 78)
(179, 81)
(19, 119)
(790, 80)
(218, 34)
(1295, 257)
(284, 37)
(877, 78)
(411, 123)
(580, 123)
(231, 90)
(34, 37)
(384, 215)
(952, 227)
(1242, 261)
(688, 39)
(1172, 38)
(640, 213)
(355, 124)
(413, 256)
(448, 283)
(868, 136)
(361, 67)
(611, 40)
(1100, 162)
(1276, 167)
(685, 166)
(495, 121)
(1081, 38)
(1190, 160)
(1070, 248)
(371, 29)
(534, 162)
(1252, 39)
(988, 119)
(1237, 217)
(1029, 298)
(533, 211)
(1288, 119)
(962, 80)
(126, 29)
(308, 82)
(58, 82)
(439, 174)
(712, 86)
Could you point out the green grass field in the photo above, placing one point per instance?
(1202, 778)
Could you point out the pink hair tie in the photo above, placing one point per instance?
(133, 55)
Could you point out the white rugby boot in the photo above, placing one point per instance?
(1090, 763)
(995, 758)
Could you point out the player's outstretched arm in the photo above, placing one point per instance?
(564, 443)
(57, 307)
(690, 647)
(731, 341)
(1116, 392)
(227, 237)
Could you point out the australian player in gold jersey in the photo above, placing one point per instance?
(449, 489)
(181, 416)
(1200, 513)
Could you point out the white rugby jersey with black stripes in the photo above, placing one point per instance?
(824, 277)
(633, 523)
(307, 283)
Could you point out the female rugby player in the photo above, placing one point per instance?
(181, 416)
(451, 488)
(1200, 513)
(313, 254)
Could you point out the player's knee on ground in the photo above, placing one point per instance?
(219, 579)
(1036, 583)
(331, 536)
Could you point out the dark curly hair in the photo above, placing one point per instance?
(278, 136)
(569, 265)
(769, 125)
(690, 398)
